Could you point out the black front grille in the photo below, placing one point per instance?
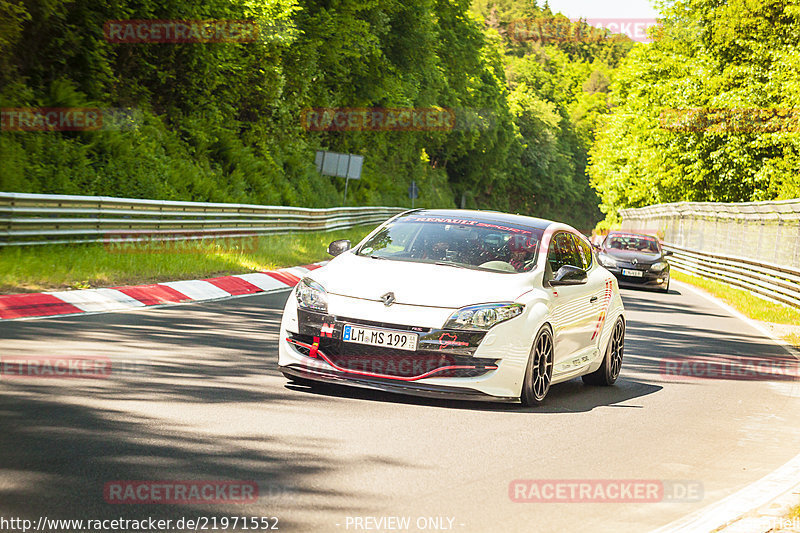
(386, 325)
(375, 360)
(436, 340)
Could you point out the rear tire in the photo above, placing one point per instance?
(609, 371)
(539, 372)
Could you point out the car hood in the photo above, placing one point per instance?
(628, 256)
(419, 283)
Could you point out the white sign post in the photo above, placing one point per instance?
(347, 166)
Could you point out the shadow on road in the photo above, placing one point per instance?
(698, 344)
(62, 440)
(572, 396)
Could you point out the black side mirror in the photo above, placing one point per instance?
(667, 252)
(569, 275)
(338, 247)
(596, 247)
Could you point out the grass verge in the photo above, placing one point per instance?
(750, 305)
(83, 266)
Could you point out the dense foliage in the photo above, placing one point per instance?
(221, 121)
(707, 112)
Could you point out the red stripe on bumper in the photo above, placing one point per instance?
(322, 355)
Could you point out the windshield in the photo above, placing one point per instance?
(634, 243)
(465, 243)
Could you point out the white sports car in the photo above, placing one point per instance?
(459, 304)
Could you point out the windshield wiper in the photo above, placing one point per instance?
(457, 265)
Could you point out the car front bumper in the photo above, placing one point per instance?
(648, 278)
(414, 389)
(486, 366)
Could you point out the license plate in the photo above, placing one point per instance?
(400, 340)
(632, 273)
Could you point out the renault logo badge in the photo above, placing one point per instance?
(388, 299)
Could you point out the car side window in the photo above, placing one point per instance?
(563, 251)
(585, 251)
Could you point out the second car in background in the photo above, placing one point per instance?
(635, 259)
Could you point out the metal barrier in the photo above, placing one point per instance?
(771, 281)
(752, 245)
(35, 219)
(762, 231)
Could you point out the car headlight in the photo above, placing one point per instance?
(484, 316)
(606, 261)
(311, 295)
(658, 266)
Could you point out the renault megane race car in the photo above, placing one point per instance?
(635, 259)
(458, 304)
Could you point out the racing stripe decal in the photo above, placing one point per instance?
(608, 292)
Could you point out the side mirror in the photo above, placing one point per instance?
(667, 252)
(596, 247)
(338, 247)
(569, 275)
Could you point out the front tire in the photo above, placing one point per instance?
(539, 372)
(609, 371)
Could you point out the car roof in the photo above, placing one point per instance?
(623, 233)
(486, 216)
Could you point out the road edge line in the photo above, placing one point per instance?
(726, 512)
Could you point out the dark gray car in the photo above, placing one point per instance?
(635, 259)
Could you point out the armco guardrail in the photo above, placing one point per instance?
(33, 219)
(752, 245)
(772, 281)
(761, 231)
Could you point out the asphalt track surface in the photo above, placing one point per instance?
(195, 395)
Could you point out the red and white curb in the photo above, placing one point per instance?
(44, 304)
